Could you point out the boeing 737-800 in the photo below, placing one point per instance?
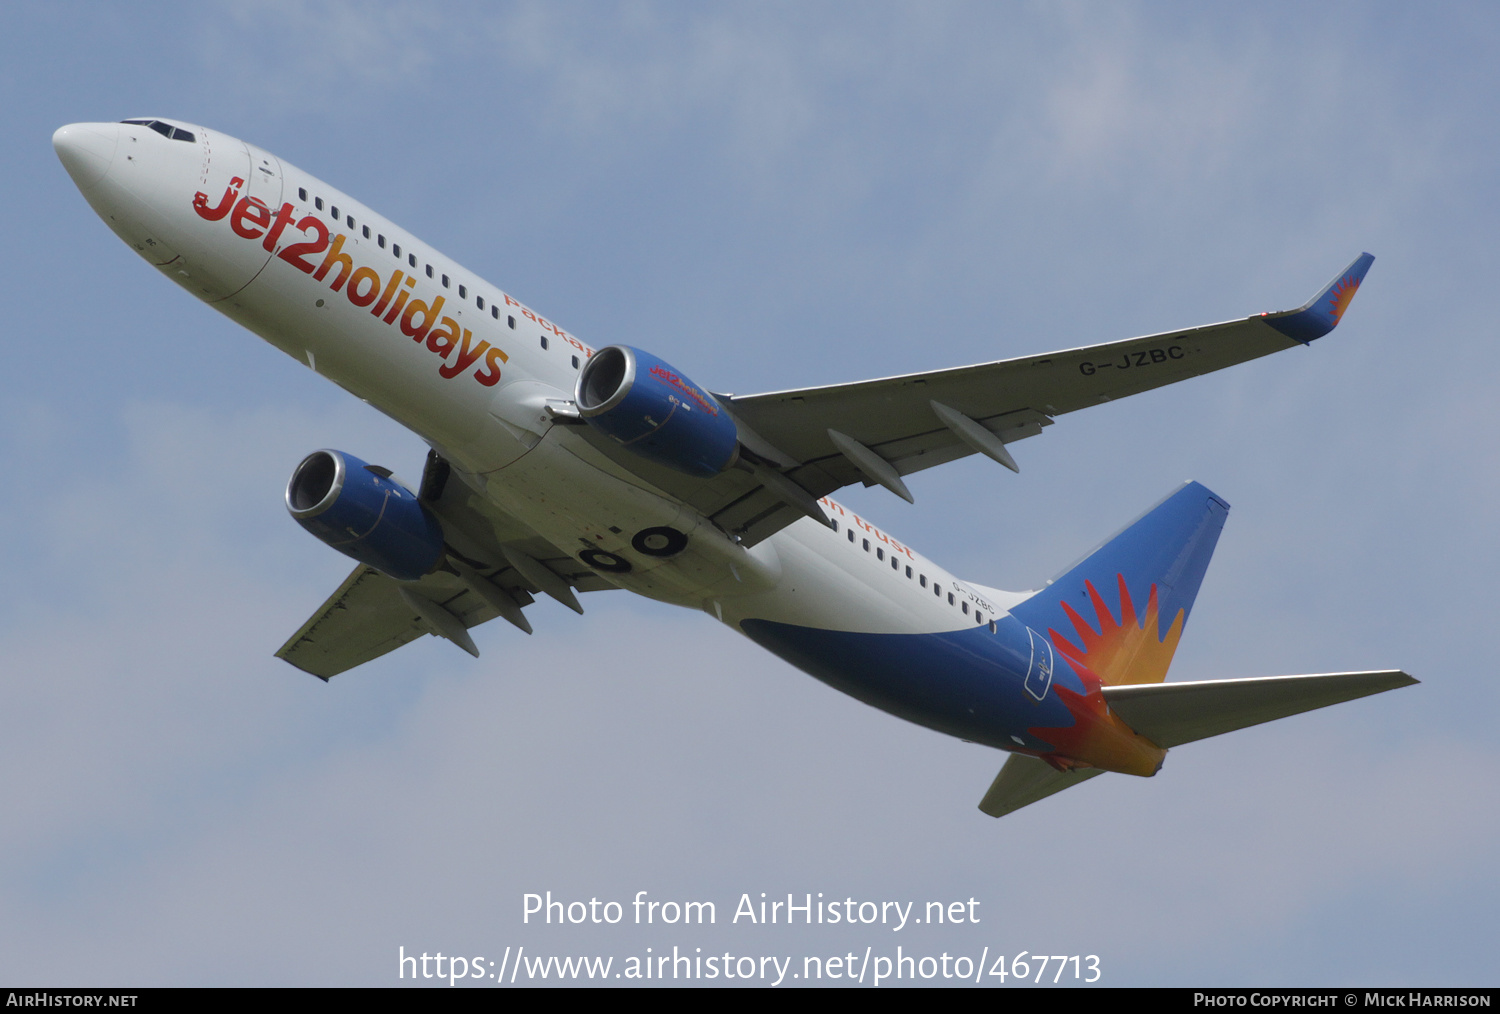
(558, 468)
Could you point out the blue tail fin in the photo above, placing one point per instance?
(1120, 611)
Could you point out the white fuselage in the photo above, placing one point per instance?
(470, 369)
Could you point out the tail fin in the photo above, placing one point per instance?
(1093, 612)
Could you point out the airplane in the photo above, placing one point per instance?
(557, 468)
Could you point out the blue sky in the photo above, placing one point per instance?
(767, 196)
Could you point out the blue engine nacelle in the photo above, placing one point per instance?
(360, 511)
(656, 412)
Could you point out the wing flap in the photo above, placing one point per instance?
(367, 617)
(893, 415)
(883, 413)
(1171, 714)
(1023, 780)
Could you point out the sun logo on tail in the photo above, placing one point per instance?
(1123, 651)
(1341, 296)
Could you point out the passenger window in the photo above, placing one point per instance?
(411, 259)
(879, 553)
(445, 281)
(429, 271)
(908, 573)
(950, 601)
(895, 563)
(512, 321)
(318, 203)
(479, 302)
(835, 526)
(302, 194)
(993, 628)
(463, 290)
(544, 337)
(349, 221)
(965, 605)
(395, 247)
(851, 535)
(923, 580)
(380, 241)
(867, 544)
(937, 590)
(495, 310)
(335, 213)
(367, 232)
(575, 362)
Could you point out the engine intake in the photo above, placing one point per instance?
(362, 512)
(656, 412)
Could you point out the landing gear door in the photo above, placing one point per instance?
(1039, 673)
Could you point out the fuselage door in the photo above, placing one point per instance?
(1039, 673)
(243, 259)
(264, 184)
(223, 251)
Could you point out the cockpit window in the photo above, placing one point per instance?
(164, 129)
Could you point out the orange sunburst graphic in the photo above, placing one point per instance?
(1097, 738)
(1123, 651)
(1341, 296)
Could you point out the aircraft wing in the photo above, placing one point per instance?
(367, 617)
(875, 431)
(490, 571)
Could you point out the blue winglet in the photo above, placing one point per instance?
(1322, 313)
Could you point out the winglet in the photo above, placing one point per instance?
(1323, 312)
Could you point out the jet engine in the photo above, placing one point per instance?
(362, 512)
(656, 412)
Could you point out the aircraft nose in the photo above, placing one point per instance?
(87, 150)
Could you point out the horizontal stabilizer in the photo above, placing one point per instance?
(1170, 714)
(372, 614)
(1023, 780)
